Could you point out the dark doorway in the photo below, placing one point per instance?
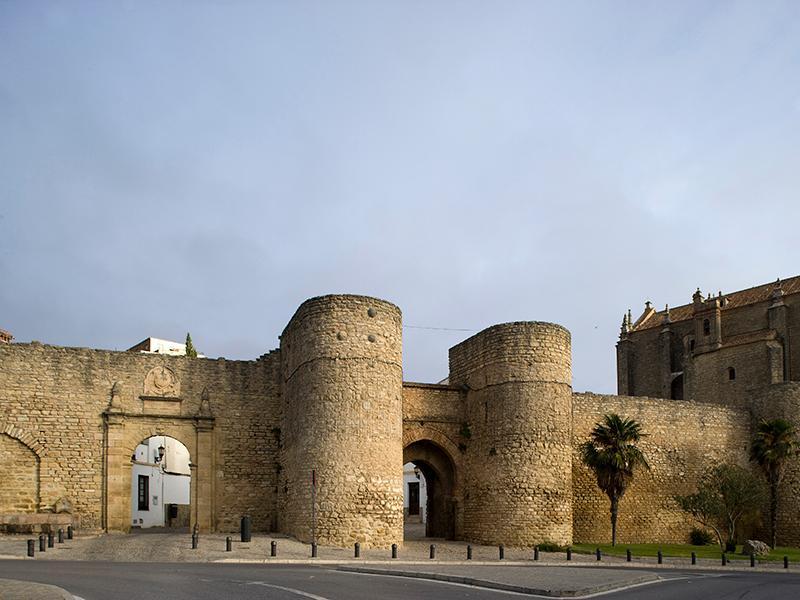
(437, 469)
(677, 388)
(413, 498)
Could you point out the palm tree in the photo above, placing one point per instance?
(775, 441)
(612, 454)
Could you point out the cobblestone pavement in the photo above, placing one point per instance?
(172, 547)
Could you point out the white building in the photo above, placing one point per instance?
(415, 497)
(153, 345)
(161, 483)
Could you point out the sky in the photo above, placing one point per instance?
(206, 166)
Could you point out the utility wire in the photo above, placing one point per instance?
(436, 328)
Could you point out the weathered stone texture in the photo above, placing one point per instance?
(683, 439)
(342, 399)
(19, 484)
(518, 487)
(56, 397)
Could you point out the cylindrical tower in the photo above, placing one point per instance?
(519, 460)
(342, 419)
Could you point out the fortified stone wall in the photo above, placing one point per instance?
(20, 481)
(683, 439)
(54, 399)
(783, 401)
(518, 488)
(343, 418)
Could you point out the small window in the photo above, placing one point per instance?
(731, 373)
(691, 345)
(144, 492)
(706, 327)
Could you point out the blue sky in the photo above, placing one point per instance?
(206, 166)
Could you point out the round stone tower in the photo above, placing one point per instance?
(342, 420)
(517, 378)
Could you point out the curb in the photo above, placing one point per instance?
(496, 585)
(13, 589)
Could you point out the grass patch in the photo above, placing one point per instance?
(683, 551)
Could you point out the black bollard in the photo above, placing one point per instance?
(694, 558)
(752, 559)
(273, 549)
(228, 544)
(50, 540)
(724, 559)
(469, 552)
(313, 549)
(598, 555)
(42, 543)
(69, 532)
(660, 557)
(628, 555)
(60, 536)
(394, 550)
(194, 541)
(501, 551)
(245, 528)
(536, 553)
(31, 547)
(785, 562)
(357, 550)
(569, 553)
(433, 550)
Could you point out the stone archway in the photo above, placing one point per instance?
(440, 475)
(124, 432)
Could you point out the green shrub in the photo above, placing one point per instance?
(551, 547)
(700, 537)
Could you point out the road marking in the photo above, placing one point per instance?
(511, 592)
(288, 589)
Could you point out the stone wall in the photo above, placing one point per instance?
(518, 488)
(683, 439)
(56, 397)
(19, 485)
(343, 418)
(783, 401)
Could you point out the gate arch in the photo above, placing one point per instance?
(436, 456)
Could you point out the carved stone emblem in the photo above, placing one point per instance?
(162, 381)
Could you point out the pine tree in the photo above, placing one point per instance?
(191, 351)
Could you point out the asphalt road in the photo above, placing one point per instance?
(146, 581)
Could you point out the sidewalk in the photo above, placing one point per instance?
(11, 589)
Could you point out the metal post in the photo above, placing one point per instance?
(785, 562)
(313, 505)
(569, 553)
(501, 551)
(357, 550)
(469, 552)
(536, 553)
(60, 536)
(69, 532)
(50, 540)
(752, 559)
(394, 550)
(694, 558)
(660, 557)
(598, 555)
(273, 549)
(245, 528)
(313, 549)
(31, 547)
(433, 550)
(194, 541)
(628, 555)
(228, 544)
(42, 543)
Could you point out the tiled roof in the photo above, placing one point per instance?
(753, 295)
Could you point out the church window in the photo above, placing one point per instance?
(731, 373)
